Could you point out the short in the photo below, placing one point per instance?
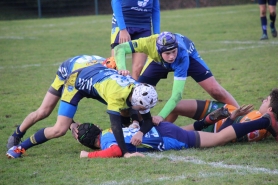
(205, 107)
(269, 2)
(56, 87)
(154, 72)
(191, 138)
(134, 32)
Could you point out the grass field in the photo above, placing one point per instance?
(227, 39)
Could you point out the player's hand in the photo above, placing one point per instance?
(124, 36)
(137, 138)
(74, 130)
(157, 120)
(136, 154)
(242, 110)
(124, 72)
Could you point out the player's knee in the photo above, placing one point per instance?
(58, 132)
(217, 93)
(43, 113)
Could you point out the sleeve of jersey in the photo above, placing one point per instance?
(117, 10)
(113, 151)
(176, 96)
(120, 51)
(156, 17)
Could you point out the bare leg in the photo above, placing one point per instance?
(138, 62)
(185, 108)
(59, 129)
(47, 106)
(217, 92)
(216, 139)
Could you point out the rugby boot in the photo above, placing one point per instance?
(216, 115)
(273, 124)
(15, 152)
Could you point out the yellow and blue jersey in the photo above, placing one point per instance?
(70, 65)
(96, 82)
(186, 52)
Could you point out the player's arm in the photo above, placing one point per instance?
(118, 12)
(120, 52)
(113, 151)
(116, 126)
(144, 128)
(176, 96)
(156, 17)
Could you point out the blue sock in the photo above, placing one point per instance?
(36, 139)
(18, 133)
(264, 25)
(244, 128)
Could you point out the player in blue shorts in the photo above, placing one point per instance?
(133, 20)
(118, 92)
(54, 92)
(272, 17)
(167, 136)
(177, 53)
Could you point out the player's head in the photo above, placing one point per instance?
(270, 101)
(144, 96)
(274, 101)
(166, 41)
(87, 134)
(110, 63)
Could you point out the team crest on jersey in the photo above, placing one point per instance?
(70, 88)
(142, 3)
(134, 44)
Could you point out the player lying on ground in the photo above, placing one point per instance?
(118, 92)
(168, 136)
(197, 109)
(54, 92)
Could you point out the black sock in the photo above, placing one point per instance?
(199, 125)
(244, 128)
(227, 123)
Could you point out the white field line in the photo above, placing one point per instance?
(252, 46)
(238, 170)
(73, 23)
(249, 169)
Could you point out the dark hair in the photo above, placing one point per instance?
(87, 134)
(274, 101)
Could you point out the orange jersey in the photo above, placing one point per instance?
(256, 135)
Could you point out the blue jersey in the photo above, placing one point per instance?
(135, 13)
(151, 141)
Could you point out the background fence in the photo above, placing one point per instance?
(22, 9)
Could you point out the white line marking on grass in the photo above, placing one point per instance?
(250, 169)
(15, 37)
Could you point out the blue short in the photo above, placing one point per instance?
(269, 2)
(154, 72)
(134, 32)
(191, 138)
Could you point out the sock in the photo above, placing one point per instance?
(244, 128)
(264, 25)
(272, 18)
(199, 125)
(227, 123)
(18, 133)
(36, 139)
